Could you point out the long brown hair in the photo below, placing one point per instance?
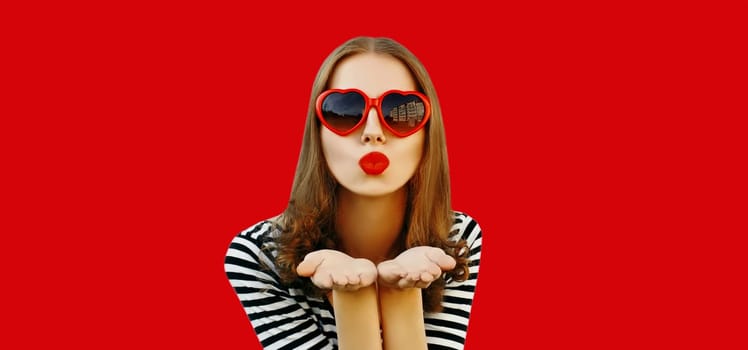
(308, 221)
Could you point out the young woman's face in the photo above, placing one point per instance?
(350, 158)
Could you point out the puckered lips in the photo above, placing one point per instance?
(374, 163)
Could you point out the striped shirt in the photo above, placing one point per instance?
(285, 318)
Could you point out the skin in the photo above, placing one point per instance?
(373, 74)
(368, 289)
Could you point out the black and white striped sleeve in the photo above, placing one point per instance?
(448, 329)
(281, 318)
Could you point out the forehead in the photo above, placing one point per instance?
(373, 73)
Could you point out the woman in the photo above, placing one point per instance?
(369, 253)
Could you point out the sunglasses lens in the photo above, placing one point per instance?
(343, 111)
(403, 113)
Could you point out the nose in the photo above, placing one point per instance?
(373, 132)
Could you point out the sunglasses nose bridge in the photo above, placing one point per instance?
(373, 102)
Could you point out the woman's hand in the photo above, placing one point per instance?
(331, 269)
(416, 267)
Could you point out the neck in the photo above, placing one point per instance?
(368, 227)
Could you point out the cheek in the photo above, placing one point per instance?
(411, 152)
(327, 142)
(334, 148)
(418, 145)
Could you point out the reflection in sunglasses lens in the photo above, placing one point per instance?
(343, 111)
(403, 112)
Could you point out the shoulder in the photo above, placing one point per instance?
(268, 228)
(255, 243)
(466, 227)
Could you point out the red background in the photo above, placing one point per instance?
(599, 146)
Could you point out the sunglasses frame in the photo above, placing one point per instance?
(368, 104)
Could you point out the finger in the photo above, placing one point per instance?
(309, 265)
(426, 277)
(322, 280)
(365, 265)
(367, 279)
(444, 261)
(390, 271)
(405, 283)
(339, 279)
(385, 267)
(354, 280)
(434, 270)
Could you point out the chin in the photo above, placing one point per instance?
(375, 188)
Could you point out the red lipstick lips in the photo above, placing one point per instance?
(374, 163)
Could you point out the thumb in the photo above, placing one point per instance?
(444, 261)
(309, 265)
